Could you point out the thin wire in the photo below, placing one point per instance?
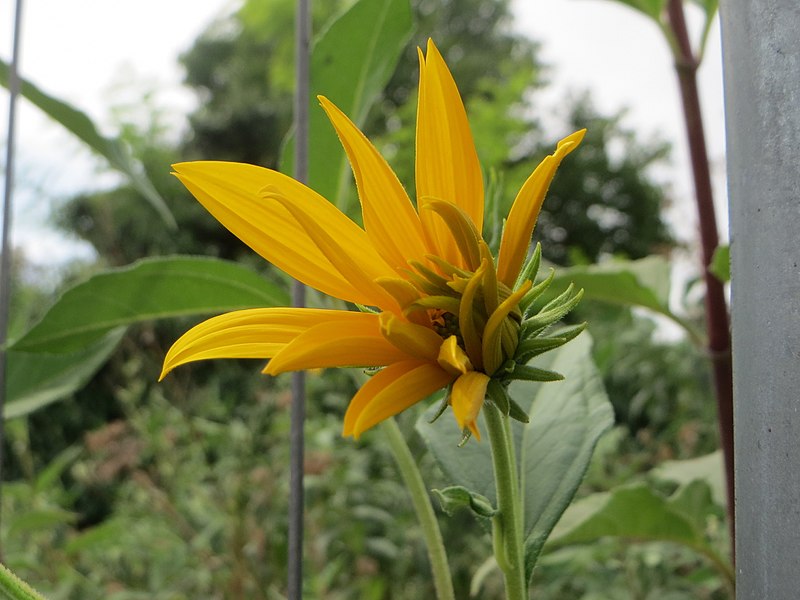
(296, 443)
(5, 243)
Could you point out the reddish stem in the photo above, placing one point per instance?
(716, 308)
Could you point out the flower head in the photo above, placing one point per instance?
(443, 313)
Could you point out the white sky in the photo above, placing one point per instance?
(86, 51)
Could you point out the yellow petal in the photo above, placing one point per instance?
(415, 340)
(361, 271)
(452, 358)
(469, 392)
(389, 217)
(252, 333)
(491, 295)
(462, 229)
(466, 318)
(525, 210)
(232, 193)
(348, 339)
(492, 349)
(392, 390)
(402, 291)
(406, 295)
(447, 164)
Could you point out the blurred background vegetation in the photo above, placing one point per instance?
(135, 489)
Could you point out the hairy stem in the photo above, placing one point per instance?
(507, 524)
(422, 506)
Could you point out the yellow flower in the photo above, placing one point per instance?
(442, 312)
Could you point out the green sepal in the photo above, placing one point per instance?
(528, 349)
(531, 268)
(551, 313)
(536, 291)
(443, 405)
(456, 497)
(559, 300)
(528, 373)
(570, 333)
(516, 412)
(447, 268)
(433, 278)
(366, 309)
(437, 287)
(497, 394)
(532, 347)
(465, 435)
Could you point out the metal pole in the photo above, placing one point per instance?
(295, 550)
(5, 240)
(761, 54)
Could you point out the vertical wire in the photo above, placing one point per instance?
(296, 443)
(5, 242)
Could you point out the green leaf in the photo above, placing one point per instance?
(649, 8)
(37, 379)
(633, 512)
(468, 466)
(710, 8)
(82, 127)
(708, 468)
(695, 502)
(456, 497)
(644, 283)
(51, 473)
(637, 512)
(720, 266)
(38, 520)
(566, 420)
(108, 533)
(352, 75)
(148, 289)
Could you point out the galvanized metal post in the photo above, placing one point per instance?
(761, 54)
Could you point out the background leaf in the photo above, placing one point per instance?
(37, 379)
(148, 289)
(649, 8)
(641, 283)
(706, 468)
(82, 127)
(638, 512)
(635, 512)
(352, 75)
(721, 263)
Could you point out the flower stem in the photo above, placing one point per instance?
(13, 588)
(716, 308)
(422, 506)
(507, 524)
